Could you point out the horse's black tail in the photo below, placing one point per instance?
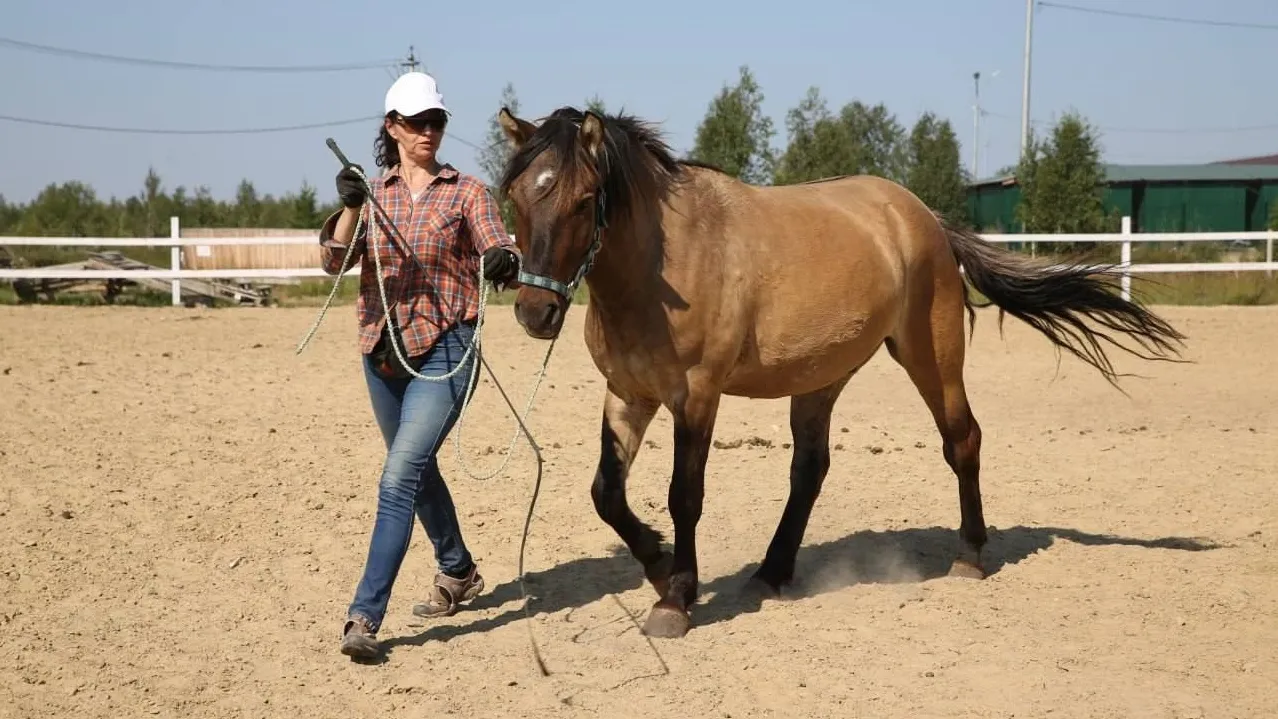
(1055, 299)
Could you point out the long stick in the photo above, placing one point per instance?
(399, 242)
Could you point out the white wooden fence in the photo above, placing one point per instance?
(176, 274)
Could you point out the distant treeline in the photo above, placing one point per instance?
(73, 209)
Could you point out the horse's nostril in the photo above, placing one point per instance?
(552, 314)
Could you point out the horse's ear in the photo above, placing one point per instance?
(517, 131)
(592, 134)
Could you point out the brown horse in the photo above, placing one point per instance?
(702, 286)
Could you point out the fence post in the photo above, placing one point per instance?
(1126, 258)
(175, 259)
(1269, 252)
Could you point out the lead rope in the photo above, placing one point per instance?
(471, 349)
(365, 211)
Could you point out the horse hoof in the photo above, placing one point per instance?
(666, 622)
(966, 570)
(757, 588)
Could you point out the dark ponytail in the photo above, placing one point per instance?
(385, 149)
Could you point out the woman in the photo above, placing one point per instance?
(447, 220)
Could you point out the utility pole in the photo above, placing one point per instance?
(1025, 93)
(976, 128)
(1025, 87)
(410, 62)
(977, 113)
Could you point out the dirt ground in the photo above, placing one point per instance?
(186, 508)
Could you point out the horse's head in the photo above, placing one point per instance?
(555, 180)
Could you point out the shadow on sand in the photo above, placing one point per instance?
(569, 585)
(905, 556)
(866, 557)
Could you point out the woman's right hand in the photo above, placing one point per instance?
(350, 188)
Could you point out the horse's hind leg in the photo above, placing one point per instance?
(810, 428)
(624, 424)
(930, 347)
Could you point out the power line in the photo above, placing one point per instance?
(410, 63)
(1159, 18)
(232, 131)
(1188, 130)
(464, 141)
(186, 131)
(23, 45)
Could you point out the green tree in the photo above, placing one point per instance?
(817, 146)
(248, 207)
(496, 152)
(9, 216)
(861, 139)
(880, 143)
(204, 211)
(596, 104)
(72, 209)
(304, 210)
(1061, 180)
(735, 135)
(153, 203)
(935, 171)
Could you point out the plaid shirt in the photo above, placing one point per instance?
(453, 222)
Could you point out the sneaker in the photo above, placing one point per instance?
(449, 592)
(358, 640)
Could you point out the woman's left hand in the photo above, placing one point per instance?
(500, 265)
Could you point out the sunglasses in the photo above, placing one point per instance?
(429, 120)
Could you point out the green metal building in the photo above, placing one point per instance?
(1230, 196)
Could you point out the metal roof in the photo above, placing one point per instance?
(1182, 173)
(1259, 160)
(1170, 173)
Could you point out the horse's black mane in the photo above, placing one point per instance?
(635, 163)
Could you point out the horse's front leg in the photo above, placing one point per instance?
(693, 429)
(624, 424)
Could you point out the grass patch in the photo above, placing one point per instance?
(131, 297)
(313, 292)
(45, 256)
(306, 293)
(1206, 289)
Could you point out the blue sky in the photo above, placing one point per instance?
(1128, 76)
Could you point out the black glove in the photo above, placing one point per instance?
(500, 265)
(350, 187)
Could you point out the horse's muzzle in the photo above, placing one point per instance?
(540, 312)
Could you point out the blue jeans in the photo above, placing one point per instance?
(415, 416)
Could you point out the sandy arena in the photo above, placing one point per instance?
(186, 510)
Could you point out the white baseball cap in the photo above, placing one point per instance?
(413, 93)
